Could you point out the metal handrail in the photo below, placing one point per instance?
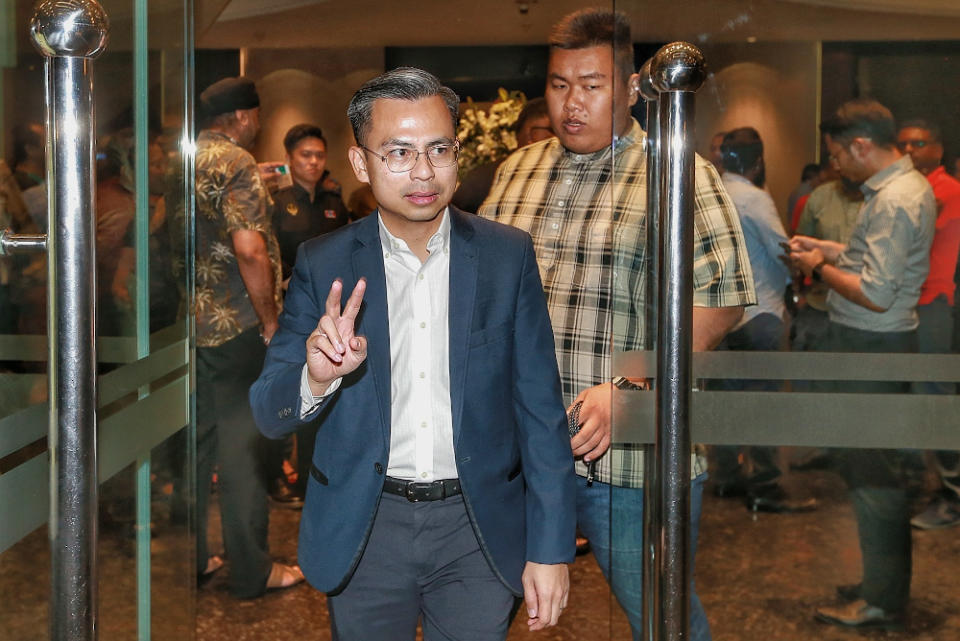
(677, 71)
(70, 34)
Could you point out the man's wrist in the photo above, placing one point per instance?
(817, 272)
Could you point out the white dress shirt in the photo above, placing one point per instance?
(421, 433)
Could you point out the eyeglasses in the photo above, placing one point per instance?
(404, 159)
(916, 144)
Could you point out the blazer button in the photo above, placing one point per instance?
(378, 468)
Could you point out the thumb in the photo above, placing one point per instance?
(531, 600)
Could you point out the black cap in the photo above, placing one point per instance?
(229, 94)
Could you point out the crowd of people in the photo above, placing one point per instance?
(435, 380)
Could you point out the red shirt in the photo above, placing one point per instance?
(946, 238)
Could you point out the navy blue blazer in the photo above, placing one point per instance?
(509, 426)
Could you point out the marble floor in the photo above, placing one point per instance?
(760, 576)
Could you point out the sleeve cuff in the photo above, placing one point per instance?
(309, 402)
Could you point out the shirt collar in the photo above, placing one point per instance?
(440, 240)
(885, 176)
(619, 143)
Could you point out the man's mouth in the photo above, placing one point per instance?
(422, 197)
(573, 125)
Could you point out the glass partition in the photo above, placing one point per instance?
(143, 94)
(825, 429)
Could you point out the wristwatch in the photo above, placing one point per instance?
(817, 272)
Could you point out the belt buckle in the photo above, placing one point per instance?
(412, 488)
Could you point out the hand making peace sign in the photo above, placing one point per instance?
(333, 350)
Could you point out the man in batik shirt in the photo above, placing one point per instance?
(236, 305)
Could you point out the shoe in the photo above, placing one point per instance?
(941, 513)
(730, 489)
(779, 506)
(583, 544)
(284, 496)
(859, 614)
(284, 576)
(848, 593)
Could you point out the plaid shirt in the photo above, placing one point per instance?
(587, 216)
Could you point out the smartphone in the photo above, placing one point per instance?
(786, 246)
(285, 179)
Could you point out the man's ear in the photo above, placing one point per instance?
(633, 84)
(358, 162)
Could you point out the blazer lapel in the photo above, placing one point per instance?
(375, 320)
(463, 287)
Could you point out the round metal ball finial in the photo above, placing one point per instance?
(647, 90)
(70, 28)
(678, 66)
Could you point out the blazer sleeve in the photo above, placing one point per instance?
(275, 396)
(547, 460)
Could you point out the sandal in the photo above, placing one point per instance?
(214, 563)
(284, 576)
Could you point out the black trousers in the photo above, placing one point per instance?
(228, 436)
(876, 485)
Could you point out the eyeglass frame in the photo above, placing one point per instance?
(416, 158)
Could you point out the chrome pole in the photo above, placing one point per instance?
(651, 512)
(70, 33)
(677, 71)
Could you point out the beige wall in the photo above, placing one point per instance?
(310, 85)
(772, 88)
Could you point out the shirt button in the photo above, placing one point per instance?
(386, 255)
(423, 475)
(560, 203)
(569, 181)
(555, 225)
(423, 374)
(423, 325)
(420, 276)
(423, 424)
(378, 468)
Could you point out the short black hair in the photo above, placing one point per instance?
(810, 170)
(594, 27)
(25, 135)
(402, 83)
(297, 133)
(861, 118)
(741, 149)
(920, 123)
(535, 108)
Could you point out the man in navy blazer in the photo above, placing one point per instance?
(442, 480)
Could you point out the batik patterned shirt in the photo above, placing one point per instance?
(587, 216)
(230, 197)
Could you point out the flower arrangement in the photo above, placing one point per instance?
(489, 136)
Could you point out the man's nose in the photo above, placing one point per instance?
(572, 101)
(422, 168)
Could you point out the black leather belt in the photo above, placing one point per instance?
(415, 491)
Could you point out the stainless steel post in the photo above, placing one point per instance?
(70, 33)
(677, 71)
(651, 512)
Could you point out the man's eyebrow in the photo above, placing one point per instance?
(406, 144)
(593, 75)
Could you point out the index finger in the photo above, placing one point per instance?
(333, 299)
(352, 308)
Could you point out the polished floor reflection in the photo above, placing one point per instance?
(760, 576)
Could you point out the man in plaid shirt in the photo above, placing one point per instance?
(582, 197)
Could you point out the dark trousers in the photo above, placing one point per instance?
(422, 560)
(228, 436)
(763, 333)
(875, 482)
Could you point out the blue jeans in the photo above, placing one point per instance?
(597, 506)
